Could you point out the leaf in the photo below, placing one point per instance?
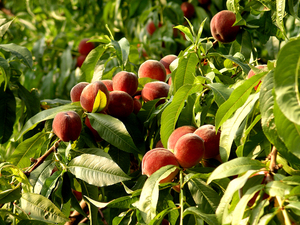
(7, 112)
(10, 195)
(257, 211)
(278, 188)
(234, 167)
(231, 126)
(26, 150)
(185, 72)
(210, 219)
(234, 185)
(122, 48)
(280, 14)
(40, 208)
(113, 131)
(97, 170)
(171, 114)
(20, 52)
(186, 31)
(221, 92)
(100, 101)
(237, 98)
(286, 80)
(149, 195)
(46, 115)
(4, 28)
(123, 202)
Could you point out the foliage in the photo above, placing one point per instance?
(41, 175)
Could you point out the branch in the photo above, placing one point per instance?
(75, 216)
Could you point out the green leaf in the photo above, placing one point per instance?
(40, 208)
(122, 48)
(88, 66)
(150, 192)
(10, 195)
(26, 150)
(186, 31)
(210, 219)
(7, 112)
(4, 28)
(234, 185)
(286, 80)
(113, 131)
(237, 98)
(231, 126)
(234, 167)
(280, 14)
(46, 115)
(278, 188)
(20, 52)
(123, 202)
(257, 211)
(97, 170)
(221, 92)
(185, 72)
(171, 114)
(100, 101)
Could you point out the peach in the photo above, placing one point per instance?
(211, 140)
(153, 69)
(67, 125)
(221, 26)
(120, 104)
(125, 81)
(154, 90)
(85, 47)
(94, 132)
(187, 9)
(252, 73)
(109, 84)
(159, 144)
(89, 94)
(189, 150)
(151, 27)
(204, 2)
(76, 91)
(167, 60)
(177, 133)
(80, 59)
(156, 158)
(137, 105)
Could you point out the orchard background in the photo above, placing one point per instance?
(46, 180)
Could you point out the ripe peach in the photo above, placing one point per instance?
(187, 9)
(211, 140)
(221, 26)
(151, 28)
(203, 2)
(76, 91)
(154, 90)
(252, 73)
(67, 125)
(177, 133)
(153, 69)
(120, 104)
(189, 150)
(159, 144)
(109, 84)
(137, 105)
(80, 59)
(85, 47)
(94, 132)
(125, 81)
(166, 61)
(89, 93)
(156, 158)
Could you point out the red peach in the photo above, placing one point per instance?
(80, 59)
(154, 90)
(85, 47)
(252, 73)
(153, 69)
(187, 9)
(67, 125)
(166, 61)
(76, 91)
(89, 93)
(137, 105)
(177, 133)
(125, 81)
(94, 132)
(211, 140)
(151, 28)
(156, 158)
(109, 84)
(120, 104)
(189, 150)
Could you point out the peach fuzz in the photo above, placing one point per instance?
(125, 81)
(153, 69)
(120, 104)
(89, 93)
(221, 26)
(177, 133)
(76, 91)
(67, 125)
(166, 61)
(189, 150)
(211, 140)
(154, 90)
(156, 158)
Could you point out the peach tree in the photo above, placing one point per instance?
(90, 171)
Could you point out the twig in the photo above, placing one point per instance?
(102, 216)
(41, 159)
(75, 216)
(273, 166)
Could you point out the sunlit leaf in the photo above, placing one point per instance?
(100, 101)
(208, 218)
